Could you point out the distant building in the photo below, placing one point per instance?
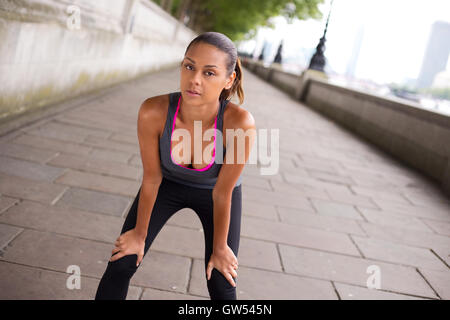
(353, 60)
(442, 80)
(436, 54)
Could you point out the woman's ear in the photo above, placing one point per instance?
(230, 81)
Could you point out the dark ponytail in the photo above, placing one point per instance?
(222, 42)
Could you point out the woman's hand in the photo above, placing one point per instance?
(225, 261)
(130, 242)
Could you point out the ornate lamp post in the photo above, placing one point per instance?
(318, 59)
(278, 57)
(316, 66)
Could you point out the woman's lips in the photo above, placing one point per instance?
(192, 93)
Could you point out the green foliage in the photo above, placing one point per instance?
(441, 93)
(239, 19)
(438, 93)
(402, 87)
(175, 6)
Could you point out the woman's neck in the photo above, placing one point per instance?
(205, 113)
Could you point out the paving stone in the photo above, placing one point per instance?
(353, 270)
(58, 132)
(52, 144)
(61, 220)
(197, 282)
(255, 209)
(305, 162)
(363, 168)
(314, 162)
(120, 137)
(89, 164)
(436, 200)
(258, 254)
(29, 170)
(163, 271)
(386, 218)
(61, 123)
(21, 282)
(414, 210)
(25, 152)
(301, 180)
(7, 202)
(99, 182)
(272, 198)
(255, 182)
(96, 121)
(443, 253)
(136, 161)
(252, 284)
(439, 280)
(314, 220)
(37, 249)
(113, 118)
(405, 236)
(398, 253)
(336, 209)
(7, 233)
(349, 292)
(110, 155)
(252, 170)
(95, 201)
(57, 252)
(381, 195)
(186, 218)
(324, 176)
(372, 181)
(297, 235)
(352, 199)
(18, 187)
(181, 241)
(154, 294)
(440, 227)
(299, 189)
(112, 145)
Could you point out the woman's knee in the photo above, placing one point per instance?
(124, 267)
(219, 287)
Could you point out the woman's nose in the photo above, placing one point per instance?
(196, 76)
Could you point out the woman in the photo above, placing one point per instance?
(210, 74)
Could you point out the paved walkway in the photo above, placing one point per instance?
(337, 208)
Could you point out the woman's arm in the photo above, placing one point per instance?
(148, 134)
(133, 241)
(222, 257)
(244, 126)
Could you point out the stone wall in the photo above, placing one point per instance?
(418, 137)
(52, 50)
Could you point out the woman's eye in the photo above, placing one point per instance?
(188, 65)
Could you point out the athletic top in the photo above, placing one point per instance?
(204, 178)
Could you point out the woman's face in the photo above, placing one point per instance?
(203, 70)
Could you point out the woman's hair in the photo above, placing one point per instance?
(233, 63)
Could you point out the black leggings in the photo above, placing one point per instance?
(172, 197)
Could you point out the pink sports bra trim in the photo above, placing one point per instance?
(214, 151)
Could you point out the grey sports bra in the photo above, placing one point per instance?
(201, 178)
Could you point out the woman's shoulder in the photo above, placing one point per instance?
(155, 105)
(153, 111)
(236, 117)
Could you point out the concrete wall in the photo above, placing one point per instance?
(52, 50)
(418, 137)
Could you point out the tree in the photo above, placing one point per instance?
(239, 19)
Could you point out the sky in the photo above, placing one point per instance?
(394, 35)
